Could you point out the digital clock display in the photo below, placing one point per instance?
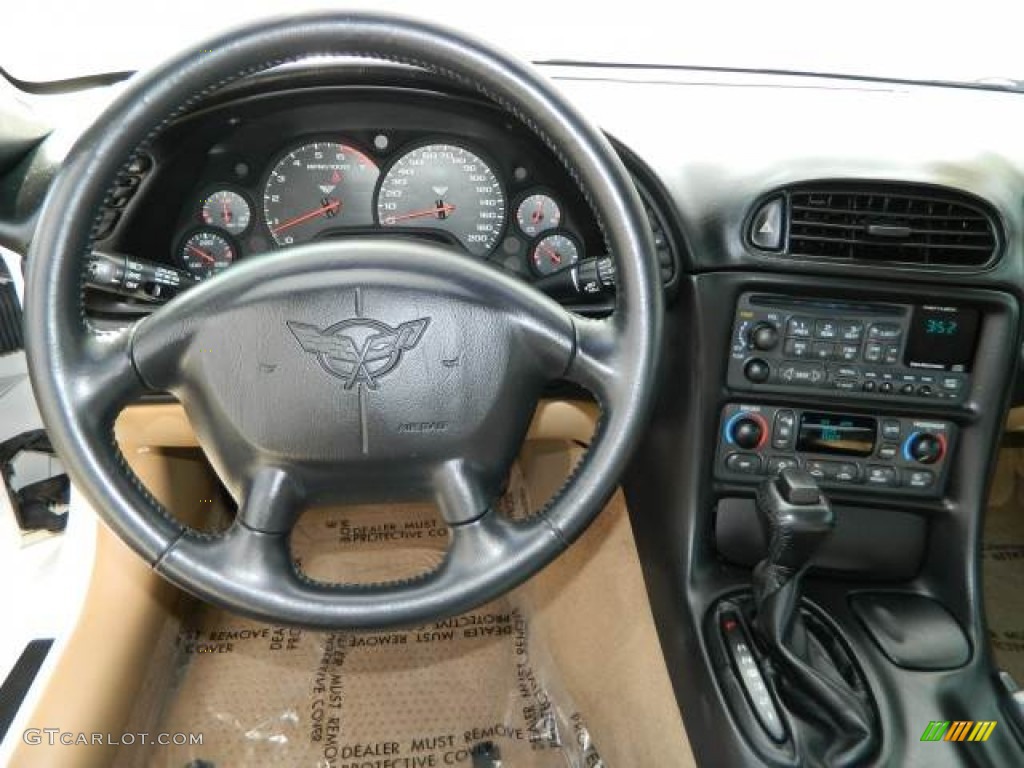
(942, 338)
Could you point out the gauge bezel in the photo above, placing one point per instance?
(192, 232)
(497, 170)
(568, 235)
(303, 141)
(530, 192)
(212, 189)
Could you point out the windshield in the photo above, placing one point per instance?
(896, 39)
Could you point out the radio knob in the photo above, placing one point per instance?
(748, 432)
(757, 371)
(925, 448)
(763, 336)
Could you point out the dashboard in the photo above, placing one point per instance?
(265, 171)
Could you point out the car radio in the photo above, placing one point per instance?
(894, 351)
(903, 455)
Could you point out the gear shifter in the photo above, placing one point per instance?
(830, 708)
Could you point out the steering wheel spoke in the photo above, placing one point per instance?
(102, 376)
(593, 364)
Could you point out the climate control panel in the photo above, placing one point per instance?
(897, 455)
(853, 350)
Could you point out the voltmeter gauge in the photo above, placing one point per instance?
(227, 210)
(554, 252)
(206, 252)
(538, 213)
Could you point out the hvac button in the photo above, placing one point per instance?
(778, 463)
(743, 463)
(766, 227)
(918, 478)
(883, 477)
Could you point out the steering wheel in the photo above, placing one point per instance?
(348, 371)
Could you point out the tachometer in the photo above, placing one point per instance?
(446, 187)
(316, 187)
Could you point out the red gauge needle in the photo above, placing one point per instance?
(538, 213)
(556, 257)
(201, 254)
(435, 211)
(226, 210)
(334, 205)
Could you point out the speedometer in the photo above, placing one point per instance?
(444, 187)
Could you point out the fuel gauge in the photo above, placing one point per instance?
(538, 213)
(227, 210)
(554, 252)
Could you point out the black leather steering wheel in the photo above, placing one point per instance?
(306, 373)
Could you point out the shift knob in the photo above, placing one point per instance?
(795, 516)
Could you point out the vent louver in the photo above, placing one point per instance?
(899, 224)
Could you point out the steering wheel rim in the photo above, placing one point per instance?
(82, 379)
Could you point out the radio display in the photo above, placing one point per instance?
(942, 338)
(836, 433)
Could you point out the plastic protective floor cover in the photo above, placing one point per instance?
(476, 690)
(1002, 559)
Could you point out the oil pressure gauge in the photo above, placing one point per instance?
(227, 210)
(554, 252)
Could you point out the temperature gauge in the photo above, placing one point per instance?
(227, 210)
(205, 253)
(554, 252)
(538, 213)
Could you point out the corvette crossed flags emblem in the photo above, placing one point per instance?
(359, 350)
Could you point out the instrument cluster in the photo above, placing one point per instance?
(440, 187)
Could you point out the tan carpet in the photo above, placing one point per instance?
(1003, 563)
(562, 668)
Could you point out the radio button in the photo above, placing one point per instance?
(918, 478)
(757, 371)
(826, 329)
(873, 353)
(952, 383)
(802, 373)
(823, 350)
(847, 371)
(907, 389)
(884, 332)
(869, 385)
(797, 348)
(892, 354)
(885, 387)
(764, 336)
(743, 463)
(891, 429)
(801, 327)
(846, 385)
(784, 431)
(848, 352)
(851, 330)
(925, 390)
(885, 477)
(778, 463)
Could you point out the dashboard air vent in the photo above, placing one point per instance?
(899, 224)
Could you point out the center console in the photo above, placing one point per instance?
(891, 397)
